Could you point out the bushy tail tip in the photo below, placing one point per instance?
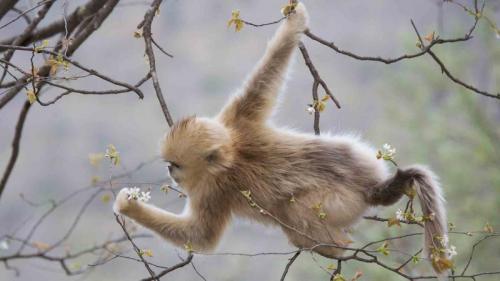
(432, 203)
(428, 191)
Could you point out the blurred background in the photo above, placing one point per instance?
(410, 105)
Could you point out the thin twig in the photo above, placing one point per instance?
(317, 81)
(289, 264)
(121, 221)
(16, 143)
(147, 35)
(170, 269)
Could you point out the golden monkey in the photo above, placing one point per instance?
(313, 187)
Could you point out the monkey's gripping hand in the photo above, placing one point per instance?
(124, 204)
(298, 19)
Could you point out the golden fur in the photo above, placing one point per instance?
(313, 187)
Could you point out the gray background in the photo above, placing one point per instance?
(409, 104)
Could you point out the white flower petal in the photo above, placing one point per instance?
(452, 251)
(145, 196)
(133, 193)
(400, 215)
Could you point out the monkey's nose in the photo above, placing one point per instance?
(170, 169)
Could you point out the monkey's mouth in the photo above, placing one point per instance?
(175, 179)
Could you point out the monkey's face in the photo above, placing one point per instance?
(196, 148)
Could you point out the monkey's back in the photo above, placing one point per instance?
(277, 165)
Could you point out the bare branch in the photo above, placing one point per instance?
(77, 17)
(49, 2)
(264, 24)
(40, 16)
(121, 221)
(146, 26)
(16, 143)
(316, 83)
(170, 269)
(289, 264)
(160, 48)
(45, 71)
(5, 6)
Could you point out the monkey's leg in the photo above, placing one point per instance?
(330, 249)
(391, 190)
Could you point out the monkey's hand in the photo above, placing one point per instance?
(298, 20)
(123, 205)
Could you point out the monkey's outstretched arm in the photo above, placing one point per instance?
(199, 228)
(261, 88)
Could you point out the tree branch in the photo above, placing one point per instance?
(146, 26)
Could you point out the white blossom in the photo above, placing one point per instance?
(133, 193)
(145, 196)
(389, 150)
(310, 109)
(451, 251)
(400, 215)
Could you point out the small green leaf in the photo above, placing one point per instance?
(288, 9)
(488, 228)
(338, 277)
(322, 215)
(31, 96)
(383, 249)
(138, 33)
(105, 198)
(44, 44)
(164, 188)
(75, 266)
(113, 154)
(451, 226)
(393, 221)
(146, 252)
(188, 247)
(236, 21)
(247, 194)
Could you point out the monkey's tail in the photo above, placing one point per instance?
(432, 202)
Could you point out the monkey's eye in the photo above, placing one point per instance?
(173, 164)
